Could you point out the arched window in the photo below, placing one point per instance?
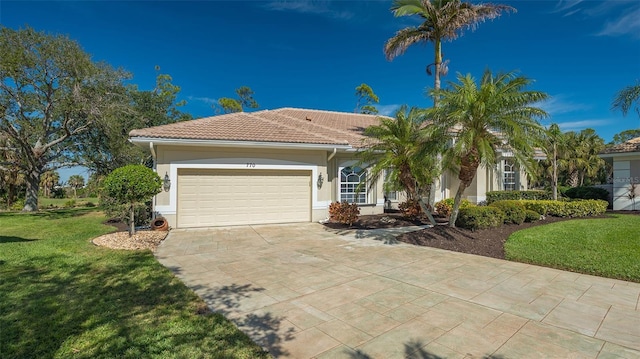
(509, 175)
(350, 179)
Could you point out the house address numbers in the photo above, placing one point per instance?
(251, 165)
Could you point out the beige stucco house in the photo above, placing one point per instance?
(276, 166)
(625, 161)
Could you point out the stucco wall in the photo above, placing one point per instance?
(171, 159)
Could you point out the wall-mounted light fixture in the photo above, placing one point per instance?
(320, 181)
(166, 183)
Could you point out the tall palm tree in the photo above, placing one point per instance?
(626, 97)
(442, 20)
(401, 145)
(581, 160)
(75, 181)
(48, 180)
(481, 119)
(553, 144)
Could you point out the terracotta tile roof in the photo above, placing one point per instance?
(285, 125)
(633, 145)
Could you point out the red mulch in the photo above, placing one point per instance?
(485, 242)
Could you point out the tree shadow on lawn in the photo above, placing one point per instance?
(10, 239)
(131, 306)
(52, 213)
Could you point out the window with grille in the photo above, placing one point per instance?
(352, 179)
(509, 175)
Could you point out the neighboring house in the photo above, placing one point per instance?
(276, 166)
(625, 161)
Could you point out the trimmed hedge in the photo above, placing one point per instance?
(531, 216)
(587, 193)
(514, 211)
(576, 208)
(495, 196)
(480, 217)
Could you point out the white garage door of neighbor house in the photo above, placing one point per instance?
(209, 197)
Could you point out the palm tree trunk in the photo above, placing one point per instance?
(427, 211)
(554, 180)
(456, 205)
(410, 185)
(438, 62)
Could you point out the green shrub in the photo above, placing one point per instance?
(531, 216)
(445, 206)
(70, 203)
(575, 208)
(130, 186)
(344, 212)
(514, 211)
(494, 196)
(480, 217)
(587, 193)
(410, 208)
(17, 205)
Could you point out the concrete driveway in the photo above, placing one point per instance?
(302, 291)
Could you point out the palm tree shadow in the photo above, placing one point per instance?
(413, 349)
(263, 328)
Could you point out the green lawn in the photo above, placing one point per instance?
(607, 247)
(44, 202)
(63, 297)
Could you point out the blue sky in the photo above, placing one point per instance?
(312, 54)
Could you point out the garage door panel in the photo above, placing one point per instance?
(235, 197)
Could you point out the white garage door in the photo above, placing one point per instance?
(236, 197)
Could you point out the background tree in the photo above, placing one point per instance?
(402, 147)
(624, 136)
(626, 98)
(105, 146)
(75, 182)
(366, 100)
(50, 91)
(496, 113)
(245, 100)
(131, 185)
(580, 161)
(553, 145)
(442, 20)
(11, 179)
(48, 181)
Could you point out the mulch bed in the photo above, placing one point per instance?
(485, 242)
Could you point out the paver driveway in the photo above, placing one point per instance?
(302, 291)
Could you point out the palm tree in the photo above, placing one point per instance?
(480, 120)
(553, 143)
(442, 20)
(48, 180)
(403, 147)
(76, 181)
(581, 160)
(626, 97)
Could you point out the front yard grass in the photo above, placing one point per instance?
(607, 247)
(63, 297)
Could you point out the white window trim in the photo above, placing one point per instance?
(368, 193)
(515, 172)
